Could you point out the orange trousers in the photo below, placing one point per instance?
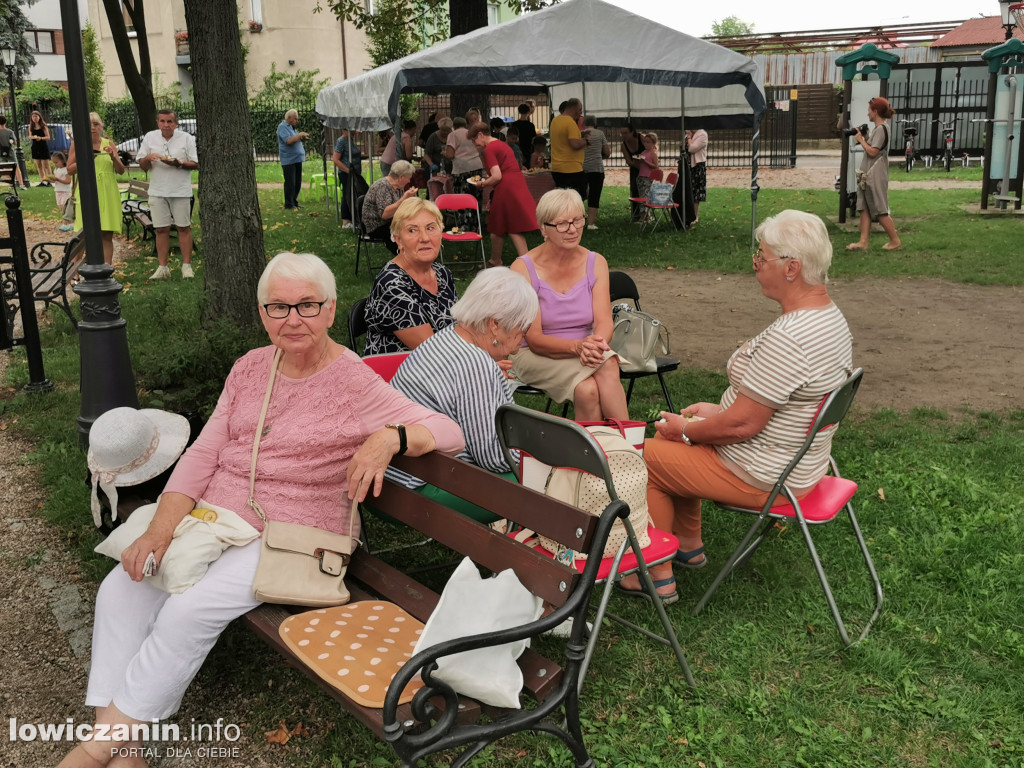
(679, 476)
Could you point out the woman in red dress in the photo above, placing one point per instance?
(512, 206)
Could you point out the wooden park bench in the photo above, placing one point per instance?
(437, 718)
(54, 267)
(135, 209)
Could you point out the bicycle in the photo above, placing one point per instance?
(948, 129)
(909, 136)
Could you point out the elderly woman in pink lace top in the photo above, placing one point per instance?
(331, 429)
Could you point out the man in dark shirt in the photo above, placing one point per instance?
(429, 128)
(526, 129)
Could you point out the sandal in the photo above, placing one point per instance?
(643, 594)
(684, 558)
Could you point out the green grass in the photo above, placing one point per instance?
(938, 682)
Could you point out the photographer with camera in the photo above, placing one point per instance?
(873, 176)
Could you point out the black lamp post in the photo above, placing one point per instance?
(9, 58)
(106, 376)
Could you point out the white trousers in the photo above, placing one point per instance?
(148, 645)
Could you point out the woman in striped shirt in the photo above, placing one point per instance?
(460, 372)
(733, 451)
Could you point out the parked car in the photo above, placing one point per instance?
(128, 149)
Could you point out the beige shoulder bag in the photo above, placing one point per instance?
(299, 564)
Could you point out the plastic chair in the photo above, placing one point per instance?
(363, 238)
(463, 203)
(563, 443)
(386, 365)
(621, 286)
(356, 325)
(822, 505)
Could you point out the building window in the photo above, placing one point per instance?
(492, 14)
(370, 6)
(40, 40)
(256, 8)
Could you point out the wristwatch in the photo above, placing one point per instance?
(682, 434)
(403, 443)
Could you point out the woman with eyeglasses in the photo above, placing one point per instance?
(566, 350)
(332, 426)
(733, 451)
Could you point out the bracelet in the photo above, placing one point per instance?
(682, 434)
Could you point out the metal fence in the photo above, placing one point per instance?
(931, 94)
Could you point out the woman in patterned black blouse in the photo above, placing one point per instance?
(412, 295)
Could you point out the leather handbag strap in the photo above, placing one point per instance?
(253, 504)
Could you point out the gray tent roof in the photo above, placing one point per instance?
(623, 59)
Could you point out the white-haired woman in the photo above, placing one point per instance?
(382, 200)
(460, 371)
(412, 296)
(292, 155)
(326, 442)
(733, 451)
(566, 351)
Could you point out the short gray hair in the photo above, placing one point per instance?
(303, 267)
(497, 293)
(459, 122)
(556, 201)
(801, 236)
(401, 168)
(590, 120)
(291, 113)
(445, 122)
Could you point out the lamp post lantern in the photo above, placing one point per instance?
(1007, 17)
(9, 55)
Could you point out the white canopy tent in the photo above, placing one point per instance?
(622, 65)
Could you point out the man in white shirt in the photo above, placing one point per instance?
(170, 155)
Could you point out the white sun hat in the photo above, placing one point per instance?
(128, 446)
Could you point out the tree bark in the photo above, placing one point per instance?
(229, 209)
(137, 76)
(465, 16)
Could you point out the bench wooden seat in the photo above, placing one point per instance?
(54, 267)
(438, 719)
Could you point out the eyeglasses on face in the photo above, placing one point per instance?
(758, 258)
(304, 308)
(563, 226)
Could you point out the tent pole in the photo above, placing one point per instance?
(755, 146)
(683, 156)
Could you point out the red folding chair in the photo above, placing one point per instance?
(462, 204)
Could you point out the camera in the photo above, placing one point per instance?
(853, 131)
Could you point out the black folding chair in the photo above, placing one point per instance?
(364, 241)
(621, 286)
(559, 442)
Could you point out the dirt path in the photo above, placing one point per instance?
(920, 342)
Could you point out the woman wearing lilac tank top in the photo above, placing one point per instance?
(566, 351)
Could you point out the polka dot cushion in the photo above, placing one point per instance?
(358, 648)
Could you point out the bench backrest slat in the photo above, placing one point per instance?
(542, 575)
(561, 522)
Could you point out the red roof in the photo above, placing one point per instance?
(984, 32)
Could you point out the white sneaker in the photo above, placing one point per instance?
(591, 226)
(565, 629)
(161, 273)
(347, 225)
(186, 270)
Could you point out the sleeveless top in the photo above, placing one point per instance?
(568, 315)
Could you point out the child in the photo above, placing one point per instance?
(61, 189)
(513, 141)
(539, 160)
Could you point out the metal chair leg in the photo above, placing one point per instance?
(664, 391)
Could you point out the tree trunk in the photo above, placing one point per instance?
(229, 209)
(137, 76)
(465, 16)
